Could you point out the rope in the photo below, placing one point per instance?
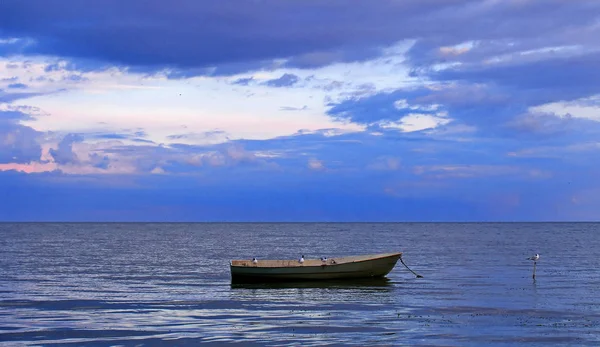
(414, 273)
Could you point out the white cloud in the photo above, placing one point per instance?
(157, 171)
(113, 99)
(200, 105)
(587, 108)
(417, 121)
(402, 104)
(315, 164)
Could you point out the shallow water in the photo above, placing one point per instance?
(148, 284)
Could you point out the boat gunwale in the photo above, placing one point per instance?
(376, 257)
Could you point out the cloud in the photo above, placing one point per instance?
(225, 196)
(8, 97)
(444, 110)
(327, 57)
(230, 155)
(286, 80)
(157, 171)
(489, 109)
(565, 153)
(467, 171)
(541, 81)
(133, 135)
(17, 86)
(64, 153)
(18, 143)
(204, 138)
(72, 155)
(370, 109)
(244, 81)
(189, 37)
(291, 108)
(253, 35)
(267, 169)
(416, 122)
(29, 168)
(315, 164)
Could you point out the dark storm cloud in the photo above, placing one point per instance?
(194, 35)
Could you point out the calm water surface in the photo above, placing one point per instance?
(152, 284)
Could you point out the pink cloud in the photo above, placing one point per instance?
(70, 169)
(32, 167)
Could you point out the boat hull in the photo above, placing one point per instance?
(343, 268)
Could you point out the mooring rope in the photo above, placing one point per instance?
(414, 273)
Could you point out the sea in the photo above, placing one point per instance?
(136, 284)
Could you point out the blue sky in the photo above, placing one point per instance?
(415, 110)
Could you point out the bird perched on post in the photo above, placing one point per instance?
(535, 258)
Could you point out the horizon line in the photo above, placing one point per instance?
(295, 222)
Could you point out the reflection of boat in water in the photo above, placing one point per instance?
(375, 283)
(353, 267)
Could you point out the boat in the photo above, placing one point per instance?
(351, 267)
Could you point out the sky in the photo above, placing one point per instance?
(324, 110)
